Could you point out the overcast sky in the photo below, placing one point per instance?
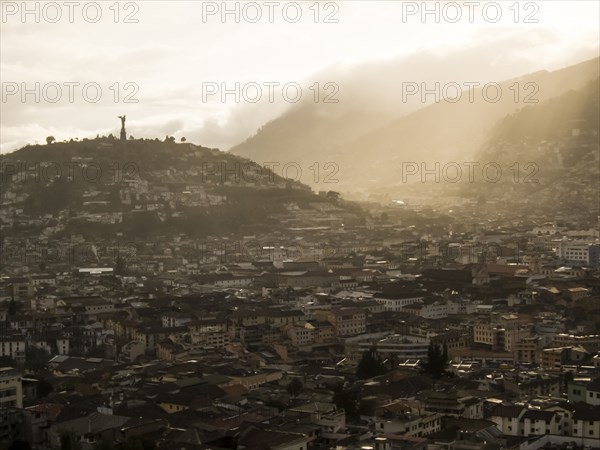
(178, 50)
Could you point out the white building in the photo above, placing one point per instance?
(173, 320)
(11, 388)
(578, 252)
(440, 310)
(13, 346)
(396, 303)
(402, 347)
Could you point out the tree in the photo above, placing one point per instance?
(7, 361)
(295, 387)
(437, 360)
(103, 444)
(567, 378)
(183, 139)
(44, 388)
(367, 407)
(370, 365)
(12, 306)
(19, 444)
(120, 266)
(347, 400)
(69, 441)
(393, 361)
(50, 140)
(333, 195)
(36, 358)
(135, 443)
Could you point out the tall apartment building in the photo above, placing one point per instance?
(578, 252)
(11, 389)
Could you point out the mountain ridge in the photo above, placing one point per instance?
(436, 132)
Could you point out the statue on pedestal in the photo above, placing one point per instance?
(123, 133)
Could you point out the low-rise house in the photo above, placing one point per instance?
(528, 386)
(398, 418)
(536, 422)
(395, 302)
(345, 321)
(508, 419)
(175, 319)
(586, 422)
(453, 404)
(327, 416)
(89, 429)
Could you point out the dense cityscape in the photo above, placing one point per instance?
(386, 327)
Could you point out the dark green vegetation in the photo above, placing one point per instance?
(437, 361)
(145, 188)
(370, 365)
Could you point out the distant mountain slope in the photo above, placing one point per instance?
(577, 109)
(550, 154)
(446, 131)
(308, 132)
(542, 160)
(143, 188)
(443, 131)
(368, 96)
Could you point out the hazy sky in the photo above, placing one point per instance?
(178, 51)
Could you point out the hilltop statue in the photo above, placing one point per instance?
(123, 133)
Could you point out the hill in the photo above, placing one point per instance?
(550, 153)
(145, 188)
(370, 165)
